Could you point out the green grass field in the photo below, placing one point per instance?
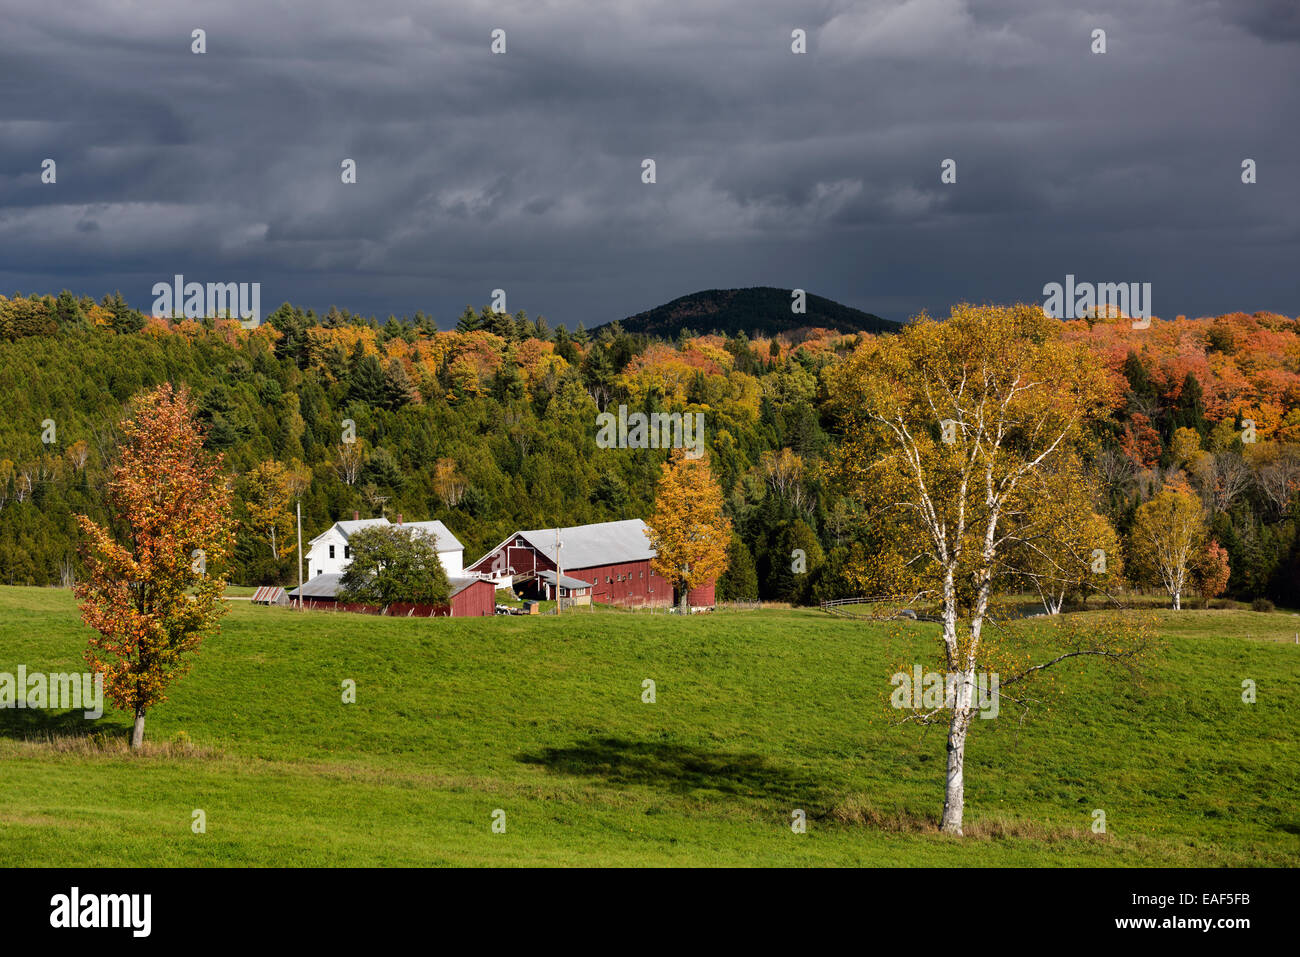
(757, 714)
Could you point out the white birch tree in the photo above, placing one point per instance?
(955, 435)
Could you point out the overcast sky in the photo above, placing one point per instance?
(523, 170)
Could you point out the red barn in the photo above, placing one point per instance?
(701, 597)
(613, 556)
(470, 597)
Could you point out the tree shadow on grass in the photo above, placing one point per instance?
(43, 724)
(679, 768)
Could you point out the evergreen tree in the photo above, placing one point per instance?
(469, 321)
(125, 319)
(740, 581)
(366, 380)
(68, 312)
(1189, 410)
(399, 390)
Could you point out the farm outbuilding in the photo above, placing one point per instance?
(270, 595)
(471, 596)
(614, 557)
(541, 585)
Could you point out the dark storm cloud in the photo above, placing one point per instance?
(1273, 20)
(522, 171)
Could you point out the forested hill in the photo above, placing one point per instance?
(762, 310)
(492, 427)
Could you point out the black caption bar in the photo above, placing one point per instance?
(137, 907)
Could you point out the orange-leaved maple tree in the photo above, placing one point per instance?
(688, 530)
(150, 595)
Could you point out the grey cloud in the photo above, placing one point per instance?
(523, 171)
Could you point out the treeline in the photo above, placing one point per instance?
(1212, 406)
(492, 427)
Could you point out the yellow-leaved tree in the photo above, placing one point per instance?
(689, 530)
(268, 496)
(1167, 532)
(960, 439)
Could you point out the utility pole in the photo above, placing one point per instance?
(300, 605)
(559, 572)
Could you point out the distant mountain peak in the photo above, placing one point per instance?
(764, 310)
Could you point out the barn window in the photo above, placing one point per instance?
(608, 579)
(640, 574)
(347, 551)
(331, 551)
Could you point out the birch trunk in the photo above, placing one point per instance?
(954, 801)
(137, 730)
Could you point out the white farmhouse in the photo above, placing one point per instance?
(330, 553)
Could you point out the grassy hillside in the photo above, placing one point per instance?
(762, 310)
(757, 714)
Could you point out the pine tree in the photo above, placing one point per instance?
(399, 390)
(469, 321)
(740, 581)
(366, 380)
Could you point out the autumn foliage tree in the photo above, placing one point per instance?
(1210, 571)
(1070, 550)
(268, 497)
(959, 438)
(150, 595)
(1167, 531)
(688, 530)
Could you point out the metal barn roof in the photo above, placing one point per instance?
(565, 580)
(327, 586)
(458, 585)
(322, 586)
(585, 546)
(266, 594)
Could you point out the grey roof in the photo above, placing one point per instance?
(585, 546)
(346, 529)
(565, 580)
(327, 586)
(322, 586)
(458, 585)
(444, 540)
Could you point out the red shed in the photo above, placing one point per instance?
(613, 556)
(472, 597)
